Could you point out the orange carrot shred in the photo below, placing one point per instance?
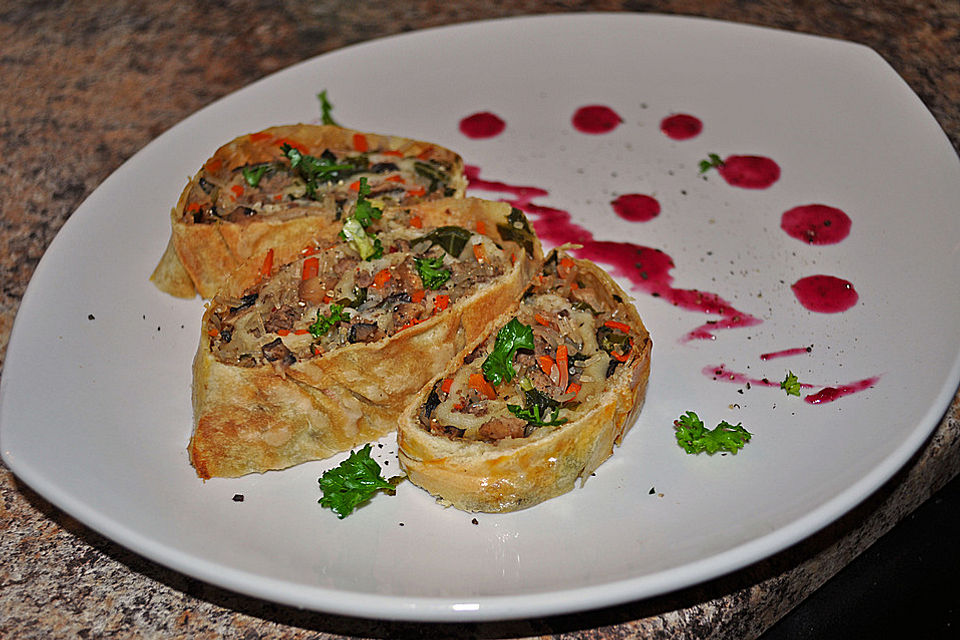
(194, 207)
(440, 302)
(563, 366)
(237, 190)
(481, 227)
(383, 276)
(267, 265)
(541, 320)
(360, 142)
(311, 267)
(283, 332)
(613, 324)
(355, 186)
(214, 165)
(574, 388)
(417, 295)
(392, 152)
(478, 382)
(546, 363)
(417, 192)
(480, 253)
(446, 384)
(394, 178)
(416, 222)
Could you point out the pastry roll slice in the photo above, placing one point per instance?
(284, 186)
(541, 402)
(324, 353)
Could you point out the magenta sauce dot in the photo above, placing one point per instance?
(825, 294)
(816, 224)
(681, 126)
(636, 207)
(749, 172)
(596, 119)
(482, 125)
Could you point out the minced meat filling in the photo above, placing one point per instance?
(331, 297)
(567, 338)
(278, 190)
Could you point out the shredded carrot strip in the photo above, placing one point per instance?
(574, 388)
(440, 302)
(267, 265)
(283, 332)
(214, 165)
(622, 358)
(278, 197)
(213, 333)
(546, 363)
(309, 250)
(355, 186)
(394, 178)
(480, 253)
(301, 332)
(392, 152)
(259, 136)
(360, 142)
(481, 227)
(417, 295)
(478, 382)
(311, 267)
(237, 190)
(416, 222)
(541, 320)
(194, 207)
(446, 384)
(417, 192)
(412, 322)
(383, 276)
(563, 366)
(613, 324)
(574, 285)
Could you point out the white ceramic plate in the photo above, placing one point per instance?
(96, 412)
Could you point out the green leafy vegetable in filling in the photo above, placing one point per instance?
(431, 173)
(518, 230)
(326, 109)
(313, 170)
(325, 323)
(451, 239)
(538, 405)
(354, 228)
(254, 172)
(432, 272)
(694, 437)
(352, 483)
(498, 367)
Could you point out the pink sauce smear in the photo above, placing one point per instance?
(646, 268)
(816, 224)
(749, 172)
(795, 351)
(681, 126)
(482, 125)
(825, 395)
(825, 294)
(596, 119)
(636, 207)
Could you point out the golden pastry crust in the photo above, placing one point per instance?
(518, 472)
(254, 419)
(208, 242)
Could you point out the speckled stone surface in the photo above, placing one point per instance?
(85, 85)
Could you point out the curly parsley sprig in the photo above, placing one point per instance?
(352, 483)
(694, 437)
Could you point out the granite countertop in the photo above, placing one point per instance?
(85, 85)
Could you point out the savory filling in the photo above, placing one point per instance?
(296, 184)
(544, 368)
(364, 288)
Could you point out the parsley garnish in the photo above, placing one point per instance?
(313, 170)
(713, 162)
(355, 481)
(432, 272)
(325, 323)
(791, 384)
(498, 367)
(325, 109)
(694, 437)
